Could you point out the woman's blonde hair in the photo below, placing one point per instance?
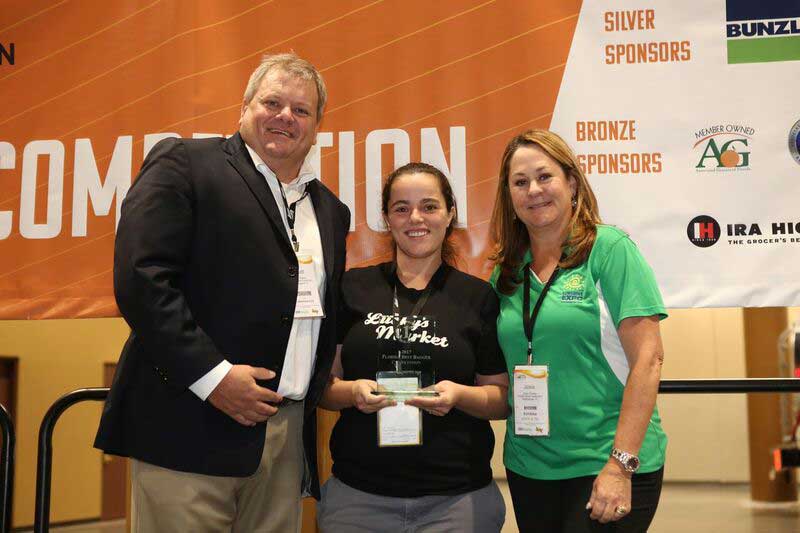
(510, 234)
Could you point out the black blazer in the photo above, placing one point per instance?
(204, 271)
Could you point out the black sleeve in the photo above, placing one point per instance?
(490, 359)
(151, 253)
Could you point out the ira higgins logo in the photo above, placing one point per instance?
(703, 231)
(723, 147)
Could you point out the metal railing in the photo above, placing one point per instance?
(44, 467)
(728, 386)
(6, 469)
(667, 386)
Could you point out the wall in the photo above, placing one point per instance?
(57, 356)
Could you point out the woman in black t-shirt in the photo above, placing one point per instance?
(445, 482)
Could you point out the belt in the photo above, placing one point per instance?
(286, 402)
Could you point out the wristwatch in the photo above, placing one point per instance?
(628, 461)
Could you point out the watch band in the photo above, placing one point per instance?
(628, 461)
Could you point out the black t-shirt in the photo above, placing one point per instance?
(456, 448)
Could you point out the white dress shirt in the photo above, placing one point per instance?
(303, 338)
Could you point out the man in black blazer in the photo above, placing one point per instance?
(221, 249)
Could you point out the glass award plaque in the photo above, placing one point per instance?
(406, 372)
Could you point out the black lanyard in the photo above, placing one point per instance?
(423, 299)
(415, 311)
(528, 320)
(290, 213)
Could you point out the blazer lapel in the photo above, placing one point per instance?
(240, 160)
(324, 213)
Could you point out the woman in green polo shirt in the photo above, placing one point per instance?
(584, 447)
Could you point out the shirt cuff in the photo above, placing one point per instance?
(206, 384)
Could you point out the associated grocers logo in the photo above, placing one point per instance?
(703, 231)
(763, 30)
(794, 141)
(722, 147)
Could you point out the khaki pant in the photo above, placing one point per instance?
(169, 501)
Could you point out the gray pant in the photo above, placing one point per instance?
(344, 509)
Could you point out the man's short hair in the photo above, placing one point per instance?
(292, 65)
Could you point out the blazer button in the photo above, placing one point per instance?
(285, 319)
(292, 271)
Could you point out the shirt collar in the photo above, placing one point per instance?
(305, 175)
(437, 280)
(526, 259)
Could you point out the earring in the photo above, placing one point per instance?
(574, 202)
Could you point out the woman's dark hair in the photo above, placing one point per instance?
(449, 254)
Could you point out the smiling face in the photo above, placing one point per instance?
(541, 193)
(280, 122)
(417, 216)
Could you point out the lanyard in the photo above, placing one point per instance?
(290, 213)
(528, 320)
(423, 299)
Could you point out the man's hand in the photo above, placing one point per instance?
(239, 397)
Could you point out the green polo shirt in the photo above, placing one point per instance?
(576, 336)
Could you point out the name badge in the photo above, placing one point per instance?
(531, 403)
(401, 424)
(308, 302)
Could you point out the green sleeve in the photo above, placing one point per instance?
(628, 283)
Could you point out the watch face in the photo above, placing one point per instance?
(633, 463)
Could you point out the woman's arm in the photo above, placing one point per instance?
(641, 340)
(340, 393)
(487, 399)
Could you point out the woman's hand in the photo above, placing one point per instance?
(611, 493)
(364, 400)
(449, 394)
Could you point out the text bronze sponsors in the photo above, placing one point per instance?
(628, 162)
(637, 20)
(723, 148)
(704, 231)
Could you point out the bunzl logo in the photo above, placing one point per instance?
(723, 147)
(758, 31)
(7, 54)
(703, 231)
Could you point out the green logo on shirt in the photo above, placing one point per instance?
(572, 288)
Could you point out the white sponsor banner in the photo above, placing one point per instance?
(686, 152)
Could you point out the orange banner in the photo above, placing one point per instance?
(93, 85)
